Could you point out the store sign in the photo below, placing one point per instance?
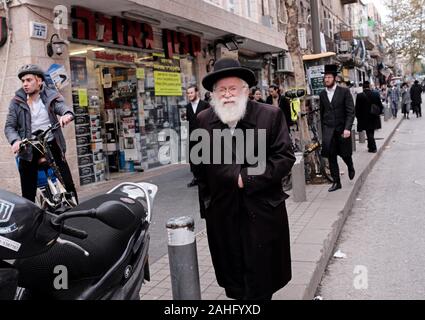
(119, 57)
(88, 25)
(167, 76)
(178, 43)
(315, 79)
(94, 26)
(3, 31)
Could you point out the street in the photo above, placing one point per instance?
(174, 199)
(383, 236)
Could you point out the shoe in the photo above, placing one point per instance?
(335, 186)
(192, 183)
(373, 151)
(351, 173)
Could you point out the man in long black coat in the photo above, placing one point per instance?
(416, 96)
(366, 120)
(193, 108)
(337, 117)
(244, 209)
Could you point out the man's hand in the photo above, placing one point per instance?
(346, 134)
(240, 182)
(64, 120)
(15, 146)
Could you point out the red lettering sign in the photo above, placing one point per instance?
(147, 36)
(118, 30)
(106, 24)
(84, 24)
(195, 45)
(129, 33)
(3, 31)
(133, 34)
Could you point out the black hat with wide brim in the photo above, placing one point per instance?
(225, 68)
(331, 69)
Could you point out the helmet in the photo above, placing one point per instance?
(30, 69)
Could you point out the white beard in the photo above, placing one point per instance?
(229, 113)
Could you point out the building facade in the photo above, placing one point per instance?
(124, 70)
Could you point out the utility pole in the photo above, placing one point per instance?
(315, 26)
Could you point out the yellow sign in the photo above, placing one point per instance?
(82, 97)
(140, 73)
(167, 83)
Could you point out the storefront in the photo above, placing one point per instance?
(129, 102)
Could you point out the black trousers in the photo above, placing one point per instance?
(371, 143)
(334, 168)
(28, 171)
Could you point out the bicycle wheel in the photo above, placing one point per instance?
(287, 182)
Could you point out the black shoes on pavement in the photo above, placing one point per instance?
(351, 173)
(192, 183)
(335, 186)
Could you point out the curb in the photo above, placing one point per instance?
(330, 241)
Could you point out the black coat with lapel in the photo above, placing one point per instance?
(336, 116)
(366, 120)
(249, 225)
(193, 124)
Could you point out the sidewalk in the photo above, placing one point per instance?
(314, 225)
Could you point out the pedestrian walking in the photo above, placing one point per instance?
(193, 108)
(337, 117)
(405, 100)
(393, 99)
(366, 119)
(276, 99)
(258, 96)
(246, 219)
(416, 96)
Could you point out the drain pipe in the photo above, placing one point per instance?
(9, 40)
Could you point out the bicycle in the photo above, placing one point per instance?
(316, 167)
(51, 194)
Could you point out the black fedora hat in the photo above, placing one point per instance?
(331, 69)
(227, 67)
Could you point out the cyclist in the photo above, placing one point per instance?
(36, 107)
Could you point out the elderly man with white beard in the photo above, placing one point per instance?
(244, 208)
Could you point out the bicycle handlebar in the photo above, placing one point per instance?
(303, 114)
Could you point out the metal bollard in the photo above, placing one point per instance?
(353, 139)
(387, 112)
(298, 178)
(362, 137)
(183, 259)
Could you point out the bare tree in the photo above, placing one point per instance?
(405, 29)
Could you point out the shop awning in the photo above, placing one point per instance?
(317, 56)
(209, 21)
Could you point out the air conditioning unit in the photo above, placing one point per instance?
(328, 27)
(284, 63)
(343, 46)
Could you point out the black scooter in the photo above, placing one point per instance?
(95, 251)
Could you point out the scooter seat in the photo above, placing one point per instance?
(104, 244)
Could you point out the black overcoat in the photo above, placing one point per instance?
(336, 116)
(248, 232)
(193, 124)
(366, 120)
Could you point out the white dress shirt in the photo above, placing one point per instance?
(39, 115)
(195, 105)
(331, 92)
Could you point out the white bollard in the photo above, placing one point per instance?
(298, 178)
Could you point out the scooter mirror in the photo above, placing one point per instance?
(115, 214)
